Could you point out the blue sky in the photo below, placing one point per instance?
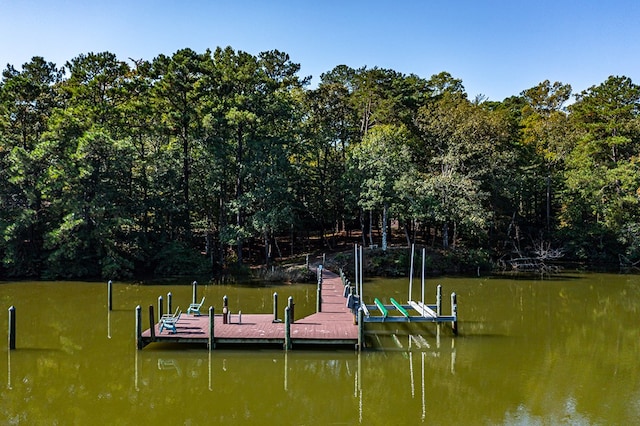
(497, 48)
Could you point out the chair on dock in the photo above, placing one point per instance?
(169, 321)
(194, 308)
(170, 315)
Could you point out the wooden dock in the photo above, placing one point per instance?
(333, 325)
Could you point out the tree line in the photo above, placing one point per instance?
(114, 168)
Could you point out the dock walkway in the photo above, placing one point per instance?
(334, 325)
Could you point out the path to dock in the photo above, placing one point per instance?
(334, 325)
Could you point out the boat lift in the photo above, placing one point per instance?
(412, 311)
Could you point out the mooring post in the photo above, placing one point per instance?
(139, 343)
(275, 307)
(212, 344)
(360, 329)
(307, 262)
(319, 296)
(287, 328)
(12, 328)
(169, 303)
(454, 313)
(438, 299)
(152, 326)
(160, 308)
(290, 306)
(195, 291)
(110, 295)
(225, 309)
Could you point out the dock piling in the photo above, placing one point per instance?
(12, 328)
(169, 304)
(139, 343)
(454, 313)
(225, 309)
(439, 299)
(291, 305)
(287, 328)
(211, 344)
(110, 295)
(360, 329)
(275, 307)
(319, 296)
(195, 292)
(152, 326)
(160, 308)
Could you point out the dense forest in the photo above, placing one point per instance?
(205, 162)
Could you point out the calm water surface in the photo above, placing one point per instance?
(561, 351)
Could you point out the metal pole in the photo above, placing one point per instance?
(355, 257)
(413, 246)
(424, 251)
(361, 276)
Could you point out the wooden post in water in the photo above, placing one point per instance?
(225, 309)
(160, 308)
(275, 307)
(12, 328)
(454, 313)
(360, 329)
(212, 344)
(438, 299)
(110, 295)
(169, 303)
(287, 328)
(319, 296)
(152, 326)
(290, 305)
(139, 343)
(195, 292)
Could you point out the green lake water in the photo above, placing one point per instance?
(530, 352)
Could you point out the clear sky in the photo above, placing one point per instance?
(497, 48)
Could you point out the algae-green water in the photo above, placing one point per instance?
(529, 352)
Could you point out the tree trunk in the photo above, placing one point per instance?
(445, 236)
(384, 227)
(407, 233)
(239, 154)
(370, 228)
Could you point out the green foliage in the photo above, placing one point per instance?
(192, 161)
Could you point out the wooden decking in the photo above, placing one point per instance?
(334, 325)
